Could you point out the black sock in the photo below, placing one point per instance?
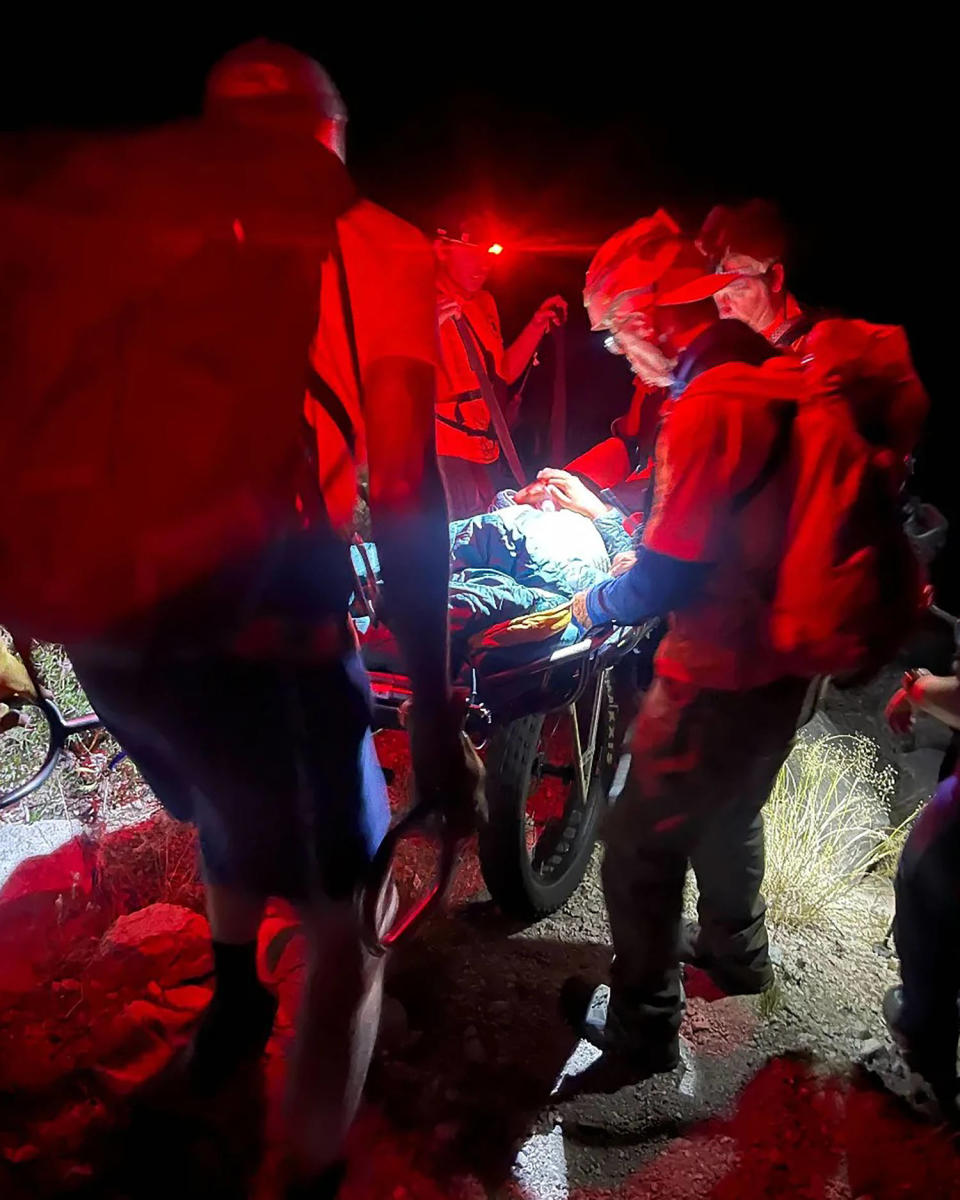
(236, 1025)
(235, 967)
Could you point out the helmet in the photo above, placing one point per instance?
(649, 263)
(263, 79)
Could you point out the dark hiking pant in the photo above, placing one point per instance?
(703, 765)
(927, 932)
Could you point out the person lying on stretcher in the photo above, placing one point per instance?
(522, 563)
(564, 491)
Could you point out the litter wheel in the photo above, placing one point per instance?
(538, 835)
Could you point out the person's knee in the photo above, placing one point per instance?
(633, 865)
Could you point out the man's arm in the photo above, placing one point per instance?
(410, 519)
(680, 538)
(655, 585)
(936, 695)
(515, 358)
(410, 524)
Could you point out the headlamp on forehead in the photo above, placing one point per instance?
(466, 238)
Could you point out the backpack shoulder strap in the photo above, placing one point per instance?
(776, 457)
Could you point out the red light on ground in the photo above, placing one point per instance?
(496, 248)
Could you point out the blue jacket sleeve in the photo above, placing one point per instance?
(611, 529)
(656, 584)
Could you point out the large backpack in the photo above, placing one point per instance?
(849, 587)
(159, 293)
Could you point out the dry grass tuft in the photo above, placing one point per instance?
(83, 786)
(150, 863)
(825, 827)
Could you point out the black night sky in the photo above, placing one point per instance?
(570, 123)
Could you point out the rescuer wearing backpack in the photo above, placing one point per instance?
(742, 445)
(888, 400)
(172, 532)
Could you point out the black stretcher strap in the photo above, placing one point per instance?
(481, 363)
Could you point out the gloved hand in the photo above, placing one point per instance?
(14, 681)
(15, 685)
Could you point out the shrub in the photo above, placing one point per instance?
(826, 826)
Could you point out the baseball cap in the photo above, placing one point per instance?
(474, 230)
(753, 230)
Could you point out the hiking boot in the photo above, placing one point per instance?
(892, 1012)
(232, 1033)
(731, 977)
(584, 1006)
(936, 1072)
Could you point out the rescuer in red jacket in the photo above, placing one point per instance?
(469, 451)
(623, 463)
(716, 724)
(212, 632)
(889, 402)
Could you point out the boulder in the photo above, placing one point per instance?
(162, 942)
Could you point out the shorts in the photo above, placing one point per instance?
(273, 762)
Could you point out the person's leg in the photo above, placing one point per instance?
(336, 1034)
(927, 933)
(702, 760)
(138, 702)
(234, 915)
(728, 859)
(340, 1008)
(643, 875)
(648, 837)
(728, 862)
(237, 1023)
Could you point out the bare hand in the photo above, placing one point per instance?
(446, 767)
(533, 494)
(551, 313)
(580, 614)
(447, 309)
(570, 492)
(623, 562)
(899, 712)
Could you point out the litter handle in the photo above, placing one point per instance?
(383, 923)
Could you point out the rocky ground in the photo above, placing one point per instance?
(797, 1093)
